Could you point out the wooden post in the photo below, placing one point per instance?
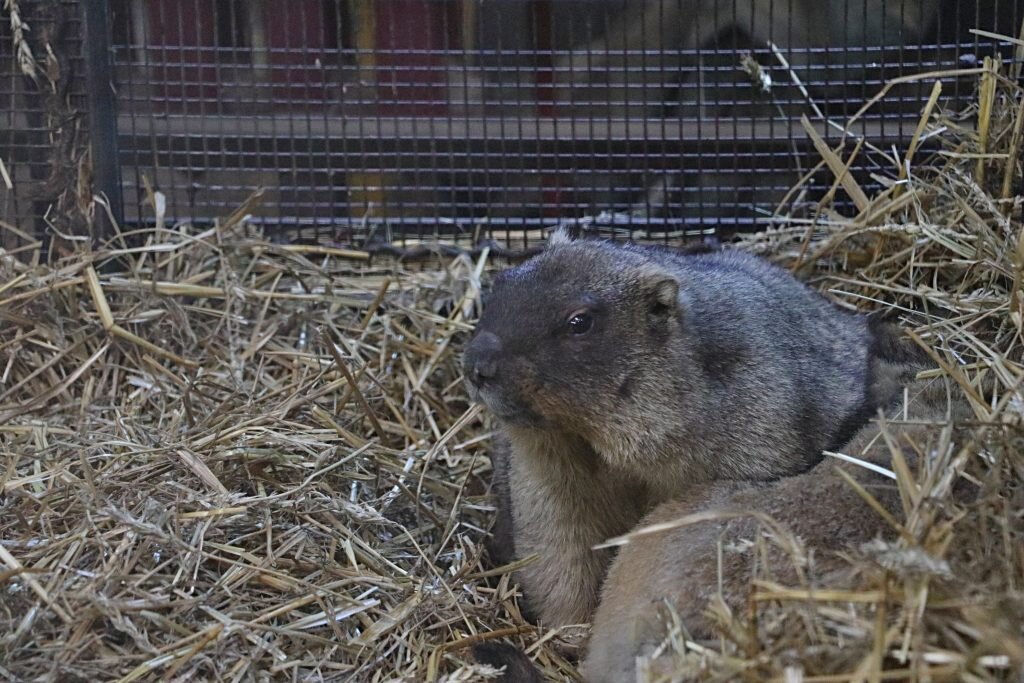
(102, 115)
(365, 190)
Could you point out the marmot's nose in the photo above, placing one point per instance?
(482, 357)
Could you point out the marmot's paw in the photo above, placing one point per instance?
(518, 667)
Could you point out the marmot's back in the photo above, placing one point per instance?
(793, 360)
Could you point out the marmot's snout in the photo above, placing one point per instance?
(492, 382)
(481, 359)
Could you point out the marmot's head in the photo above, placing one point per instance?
(576, 339)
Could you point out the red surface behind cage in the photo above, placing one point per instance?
(183, 56)
(296, 40)
(410, 73)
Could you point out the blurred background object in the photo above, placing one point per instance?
(463, 120)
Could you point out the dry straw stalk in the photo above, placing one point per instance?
(222, 459)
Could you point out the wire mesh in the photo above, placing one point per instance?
(391, 120)
(41, 119)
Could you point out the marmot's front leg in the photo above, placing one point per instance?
(500, 542)
(679, 567)
(565, 501)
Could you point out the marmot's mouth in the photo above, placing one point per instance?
(508, 410)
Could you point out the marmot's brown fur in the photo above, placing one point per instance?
(681, 567)
(623, 375)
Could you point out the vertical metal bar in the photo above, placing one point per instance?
(365, 187)
(687, 184)
(139, 77)
(543, 86)
(466, 41)
(102, 113)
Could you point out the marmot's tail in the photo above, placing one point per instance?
(518, 667)
(894, 361)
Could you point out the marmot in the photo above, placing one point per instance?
(624, 374)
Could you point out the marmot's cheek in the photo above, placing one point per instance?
(560, 404)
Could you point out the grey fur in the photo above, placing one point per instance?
(698, 367)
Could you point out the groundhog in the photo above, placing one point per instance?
(687, 566)
(622, 375)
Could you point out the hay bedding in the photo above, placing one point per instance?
(223, 459)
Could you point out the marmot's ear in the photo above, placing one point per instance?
(560, 235)
(661, 289)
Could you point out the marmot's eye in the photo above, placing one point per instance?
(580, 323)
